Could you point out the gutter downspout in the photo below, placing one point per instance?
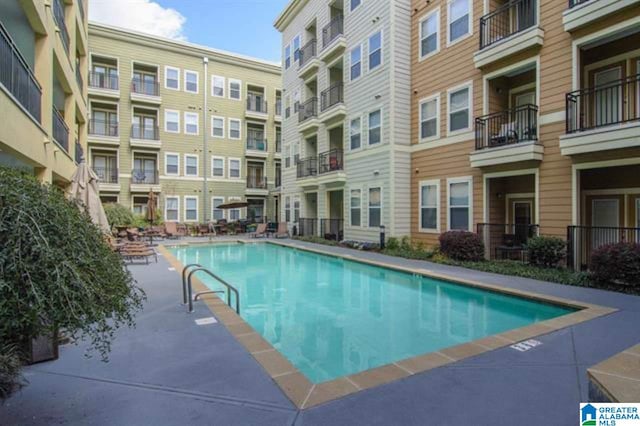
(205, 186)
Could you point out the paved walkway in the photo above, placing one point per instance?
(170, 371)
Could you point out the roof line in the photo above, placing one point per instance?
(290, 11)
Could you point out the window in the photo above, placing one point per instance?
(459, 19)
(191, 81)
(190, 165)
(375, 51)
(217, 213)
(234, 168)
(234, 128)
(287, 209)
(430, 206)
(355, 132)
(171, 164)
(217, 86)
(171, 209)
(375, 127)
(296, 210)
(296, 153)
(459, 194)
(296, 100)
(429, 34)
(191, 123)
(287, 57)
(296, 48)
(458, 106)
(190, 208)
(354, 4)
(356, 62)
(287, 156)
(171, 121)
(375, 207)
(234, 214)
(172, 78)
(429, 114)
(217, 166)
(140, 205)
(235, 89)
(217, 127)
(356, 207)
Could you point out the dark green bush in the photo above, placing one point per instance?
(461, 245)
(616, 265)
(405, 248)
(546, 252)
(10, 365)
(119, 215)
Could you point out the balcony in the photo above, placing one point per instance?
(506, 241)
(510, 29)
(256, 107)
(582, 13)
(81, 9)
(334, 43)
(17, 77)
(79, 79)
(103, 132)
(602, 118)
(107, 178)
(331, 167)
(60, 130)
(332, 105)
(256, 144)
(308, 116)
(332, 229)
(278, 116)
(104, 85)
(509, 136)
(257, 185)
(58, 16)
(309, 62)
(145, 181)
(145, 136)
(145, 91)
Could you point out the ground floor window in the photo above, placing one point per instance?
(287, 209)
(375, 207)
(140, 205)
(106, 199)
(171, 209)
(459, 215)
(429, 206)
(217, 213)
(255, 211)
(190, 209)
(234, 214)
(356, 207)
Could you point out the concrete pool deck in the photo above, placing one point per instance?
(169, 370)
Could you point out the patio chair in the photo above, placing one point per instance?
(510, 246)
(283, 230)
(138, 250)
(133, 234)
(183, 231)
(261, 231)
(206, 230)
(507, 135)
(171, 230)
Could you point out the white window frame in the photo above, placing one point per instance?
(217, 117)
(469, 19)
(192, 114)
(191, 197)
(353, 9)
(361, 208)
(451, 90)
(186, 156)
(166, 163)
(369, 127)
(239, 126)
(197, 74)
(293, 47)
(235, 80)
(239, 160)
(423, 183)
(360, 119)
(426, 17)
(463, 179)
(166, 75)
(167, 197)
(171, 111)
(369, 206)
(213, 207)
(423, 101)
(287, 56)
(213, 86)
(224, 167)
(379, 66)
(361, 47)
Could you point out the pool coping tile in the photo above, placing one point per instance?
(305, 394)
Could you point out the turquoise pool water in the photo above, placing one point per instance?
(332, 317)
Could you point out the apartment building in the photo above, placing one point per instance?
(526, 120)
(346, 128)
(198, 126)
(43, 112)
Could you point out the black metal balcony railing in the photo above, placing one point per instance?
(507, 240)
(574, 3)
(58, 16)
(332, 229)
(79, 78)
(79, 152)
(60, 130)
(307, 227)
(140, 176)
(508, 127)
(256, 182)
(510, 18)
(308, 110)
(278, 179)
(256, 140)
(278, 107)
(17, 77)
(330, 161)
(307, 167)
(307, 52)
(81, 9)
(103, 81)
(334, 95)
(582, 241)
(145, 87)
(150, 133)
(107, 174)
(103, 128)
(256, 104)
(601, 106)
(333, 30)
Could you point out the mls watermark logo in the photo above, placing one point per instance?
(594, 414)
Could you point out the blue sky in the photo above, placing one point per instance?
(241, 26)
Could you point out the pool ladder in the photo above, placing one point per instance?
(187, 288)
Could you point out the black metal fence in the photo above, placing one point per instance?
(151, 133)
(334, 95)
(256, 140)
(307, 110)
(510, 18)
(332, 30)
(145, 87)
(140, 176)
(507, 127)
(307, 167)
(601, 106)
(60, 130)
(307, 227)
(17, 77)
(506, 240)
(574, 3)
(332, 229)
(257, 104)
(101, 80)
(58, 16)
(103, 128)
(330, 161)
(107, 174)
(307, 52)
(256, 182)
(582, 241)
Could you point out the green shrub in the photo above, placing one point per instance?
(547, 252)
(10, 378)
(405, 248)
(461, 245)
(118, 215)
(616, 265)
(392, 244)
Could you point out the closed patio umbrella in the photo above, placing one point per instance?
(84, 188)
(233, 205)
(152, 209)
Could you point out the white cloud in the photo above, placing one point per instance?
(145, 16)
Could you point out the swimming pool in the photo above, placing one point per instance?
(332, 317)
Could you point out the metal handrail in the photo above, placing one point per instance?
(184, 280)
(229, 287)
